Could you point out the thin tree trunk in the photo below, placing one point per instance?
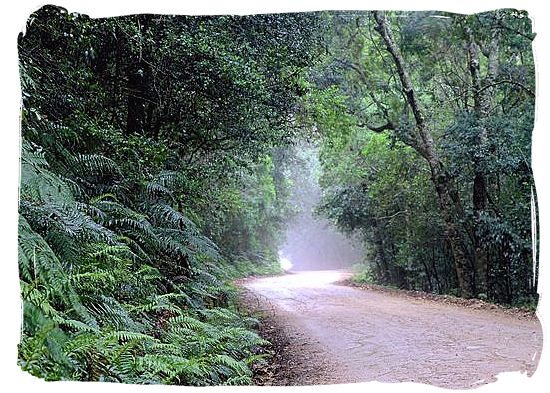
(138, 75)
(427, 149)
(434, 268)
(379, 242)
(115, 86)
(482, 107)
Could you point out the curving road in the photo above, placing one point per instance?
(374, 336)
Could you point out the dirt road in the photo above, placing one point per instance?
(354, 335)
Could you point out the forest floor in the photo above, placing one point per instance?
(326, 332)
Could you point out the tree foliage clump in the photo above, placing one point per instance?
(149, 176)
(425, 121)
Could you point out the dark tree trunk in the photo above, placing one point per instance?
(137, 89)
(136, 105)
(482, 93)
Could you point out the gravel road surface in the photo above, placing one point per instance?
(355, 335)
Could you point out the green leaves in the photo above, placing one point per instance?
(95, 307)
(478, 108)
(149, 175)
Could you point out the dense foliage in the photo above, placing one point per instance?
(425, 122)
(150, 174)
(159, 154)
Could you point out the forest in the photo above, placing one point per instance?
(159, 154)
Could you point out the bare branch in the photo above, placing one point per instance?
(392, 216)
(509, 81)
(388, 126)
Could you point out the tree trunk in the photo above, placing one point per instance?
(136, 108)
(426, 149)
(382, 254)
(138, 77)
(482, 107)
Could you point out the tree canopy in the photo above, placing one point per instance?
(431, 136)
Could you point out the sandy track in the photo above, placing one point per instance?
(373, 336)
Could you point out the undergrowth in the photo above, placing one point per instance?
(120, 293)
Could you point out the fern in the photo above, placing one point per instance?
(86, 165)
(239, 380)
(123, 362)
(172, 179)
(44, 346)
(75, 325)
(37, 182)
(166, 216)
(124, 335)
(231, 366)
(37, 261)
(111, 313)
(155, 191)
(165, 303)
(99, 304)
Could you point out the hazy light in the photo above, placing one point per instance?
(312, 242)
(310, 279)
(285, 263)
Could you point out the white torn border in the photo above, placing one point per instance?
(15, 16)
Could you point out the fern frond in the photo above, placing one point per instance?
(74, 324)
(125, 335)
(112, 314)
(85, 165)
(98, 198)
(259, 358)
(190, 323)
(169, 217)
(235, 366)
(239, 381)
(38, 183)
(155, 190)
(124, 361)
(171, 179)
(37, 259)
(157, 304)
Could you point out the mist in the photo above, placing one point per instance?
(313, 242)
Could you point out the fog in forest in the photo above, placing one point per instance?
(313, 242)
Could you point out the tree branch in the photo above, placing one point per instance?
(392, 216)
(388, 126)
(525, 88)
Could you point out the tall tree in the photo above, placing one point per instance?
(482, 88)
(458, 90)
(424, 144)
